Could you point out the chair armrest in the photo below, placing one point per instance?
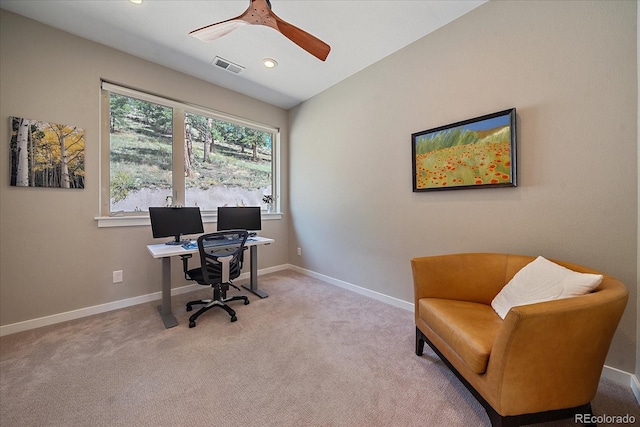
(185, 265)
(241, 257)
(553, 352)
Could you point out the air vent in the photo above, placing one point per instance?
(227, 65)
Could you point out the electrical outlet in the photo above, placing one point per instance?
(299, 251)
(118, 276)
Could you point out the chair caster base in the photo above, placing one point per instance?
(219, 300)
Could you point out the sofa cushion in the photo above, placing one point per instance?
(469, 328)
(542, 280)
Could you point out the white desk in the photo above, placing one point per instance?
(165, 252)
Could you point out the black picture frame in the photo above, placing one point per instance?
(474, 153)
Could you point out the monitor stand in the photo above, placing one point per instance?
(177, 241)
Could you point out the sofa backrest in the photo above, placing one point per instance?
(476, 277)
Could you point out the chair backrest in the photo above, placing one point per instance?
(218, 248)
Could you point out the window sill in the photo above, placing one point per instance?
(143, 220)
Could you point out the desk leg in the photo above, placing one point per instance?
(165, 308)
(253, 278)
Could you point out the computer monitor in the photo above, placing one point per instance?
(174, 222)
(239, 218)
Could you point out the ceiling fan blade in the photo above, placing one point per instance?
(308, 42)
(215, 31)
(219, 29)
(260, 13)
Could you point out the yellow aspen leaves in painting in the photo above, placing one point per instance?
(46, 154)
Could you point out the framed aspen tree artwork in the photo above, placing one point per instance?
(44, 154)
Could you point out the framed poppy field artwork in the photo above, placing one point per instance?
(474, 153)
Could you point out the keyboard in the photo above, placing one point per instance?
(220, 242)
(214, 243)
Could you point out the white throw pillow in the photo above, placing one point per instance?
(542, 280)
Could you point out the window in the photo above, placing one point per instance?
(226, 164)
(140, 159)
(163, 152)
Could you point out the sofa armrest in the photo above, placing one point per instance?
(553, 352)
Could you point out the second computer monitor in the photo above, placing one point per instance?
(239, 218)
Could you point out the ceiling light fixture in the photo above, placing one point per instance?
(270, 63)
(136, 1)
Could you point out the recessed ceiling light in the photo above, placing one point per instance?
(270, 63)
(136, 1)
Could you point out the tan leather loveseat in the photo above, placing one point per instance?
(542, 362)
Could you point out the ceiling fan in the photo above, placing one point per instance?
(259, 13)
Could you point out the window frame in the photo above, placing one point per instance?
(179, 109)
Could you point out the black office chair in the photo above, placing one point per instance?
(221, 256)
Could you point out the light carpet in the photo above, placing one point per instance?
(311, 354)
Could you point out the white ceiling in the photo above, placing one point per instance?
(359, 33)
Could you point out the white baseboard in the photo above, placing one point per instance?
(88, 311)
(622, 378)
(267, 270)
(357, 289)
(635, 387)
(115, 305)
(616, 375)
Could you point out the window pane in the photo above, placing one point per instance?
(141, 154)
(226, 164)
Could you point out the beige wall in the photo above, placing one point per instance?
(570, 70)
(54, 258)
